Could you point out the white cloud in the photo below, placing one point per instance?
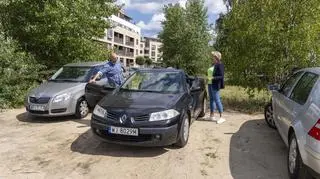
(153, 24)
(154, 8)
(216, 6)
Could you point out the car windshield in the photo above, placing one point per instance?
(160, 82)
(72, 74)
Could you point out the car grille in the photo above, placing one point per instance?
(38, 112)
(115, 116)
(41, 100)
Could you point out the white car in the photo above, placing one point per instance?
(296, 116)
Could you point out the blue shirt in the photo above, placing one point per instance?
(113, 72)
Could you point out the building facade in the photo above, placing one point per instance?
(126, 40)
(150, 48)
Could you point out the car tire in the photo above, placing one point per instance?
(204, 107)
(295, 164)
(184, 132)
(82, 108)
(268, 116)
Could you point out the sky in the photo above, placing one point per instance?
(148, 14)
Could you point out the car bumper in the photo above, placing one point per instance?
(52, 110)
(313, 162)
(148, 136)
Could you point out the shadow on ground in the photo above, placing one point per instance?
(257, 151)
(25, 117)
(86, 143)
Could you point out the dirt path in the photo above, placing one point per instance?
(241, 148)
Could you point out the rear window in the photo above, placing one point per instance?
(303, 88)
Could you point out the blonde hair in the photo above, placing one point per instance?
(216, 54)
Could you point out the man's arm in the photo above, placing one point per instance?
(105, 69)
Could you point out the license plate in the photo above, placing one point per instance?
(37, 107)
(123, 131)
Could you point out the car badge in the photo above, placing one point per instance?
(123, 119)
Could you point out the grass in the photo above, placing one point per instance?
(237, 99)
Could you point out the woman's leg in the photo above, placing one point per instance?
(211, 97)
(218, 102)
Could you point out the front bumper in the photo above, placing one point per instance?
(148, 136)
(52, 109)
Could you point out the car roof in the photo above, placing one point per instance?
(315, 70)
(160, 70)
(84, 64)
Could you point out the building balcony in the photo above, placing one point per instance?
(118, 40)
(130, 44)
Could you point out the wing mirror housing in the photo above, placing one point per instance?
(274, 87)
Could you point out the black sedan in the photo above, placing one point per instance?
(153, 107)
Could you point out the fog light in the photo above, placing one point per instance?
(157, 136)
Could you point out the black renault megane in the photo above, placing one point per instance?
(154, 107)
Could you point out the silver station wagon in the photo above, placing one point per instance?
(295, 113)
(64, 93)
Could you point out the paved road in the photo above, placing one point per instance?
(241, 148)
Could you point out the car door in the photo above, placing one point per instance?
(280, 100)
(195, 92)
(299, 103)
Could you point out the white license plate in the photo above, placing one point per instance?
(37, 107)
(123, 131)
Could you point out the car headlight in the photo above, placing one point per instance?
(99, 111)
(163, 115)
(62, 97)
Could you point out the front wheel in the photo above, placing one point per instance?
(82, 109)
(184, 132)
(268, 116)
(204, 107)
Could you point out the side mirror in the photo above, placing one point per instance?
(195, 88)
(274, 87)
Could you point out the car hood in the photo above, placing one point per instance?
(140, 100)
(50, 89)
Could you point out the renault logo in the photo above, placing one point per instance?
(123, 119)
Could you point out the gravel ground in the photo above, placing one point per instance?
(241, 148)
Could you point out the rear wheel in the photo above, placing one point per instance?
(268, 115)
(184, 132)
(82, 109)
(295, 165)
(204, 107)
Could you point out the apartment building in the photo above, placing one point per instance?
(150, 47)
(126, 40)
(123, 38)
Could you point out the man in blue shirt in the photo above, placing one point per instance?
(112, 70)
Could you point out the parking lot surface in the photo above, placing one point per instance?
(242, 148)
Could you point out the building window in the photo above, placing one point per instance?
(137, 52)
(153, 53)
(141, 52)
(137, 42)
(141, 45)
(153, 47)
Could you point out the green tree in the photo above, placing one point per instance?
(261, 41)
(148, 61)
(140, 60)
(60, 31)
(185, 37)
(19, 73)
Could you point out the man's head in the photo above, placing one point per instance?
(216, 57)
(113, 57)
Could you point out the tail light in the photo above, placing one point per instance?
(315, 131)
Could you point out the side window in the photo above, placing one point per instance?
(288, 85)
(303, 88)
